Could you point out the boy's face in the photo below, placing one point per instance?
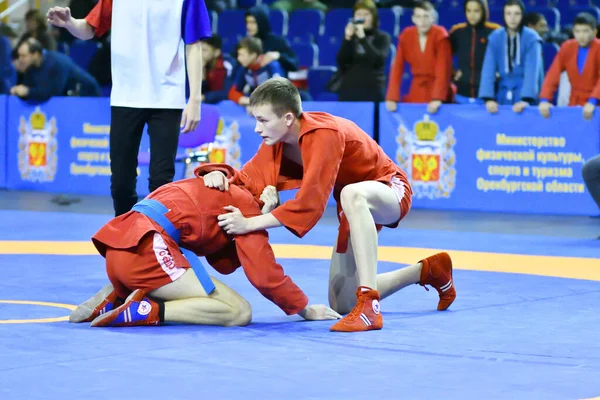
(26, 59)
(474, 12)
(423, 20)
(513, 17)
(251, 26)
(365, 14)
(245, 58)
(541, 27)
(209, 53)
(584, 34)
(271, 128)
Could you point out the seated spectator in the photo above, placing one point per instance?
(514, 53)
(426, 47)
(293, 5)
(538, 23)
(8, 74)
(217, 73)
(276, 47)
(37, 28)
(361, 57)
(469, 42)
(48, 73)
(580, 58)
(253, 70)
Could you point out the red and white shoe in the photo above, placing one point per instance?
(366, 314)
(437, 272)
(137, 310)
(102, 302)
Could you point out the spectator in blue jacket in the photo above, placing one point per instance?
(48, 74)
(514, 53)
(8, 74)
(253, 70)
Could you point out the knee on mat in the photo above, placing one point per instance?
(242, 314)
(353, 198)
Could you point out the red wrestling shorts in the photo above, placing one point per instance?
(404, 194)
(148, 266)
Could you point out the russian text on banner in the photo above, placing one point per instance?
(464, 158)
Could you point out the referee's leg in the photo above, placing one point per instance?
(163, 128)
(126, 128)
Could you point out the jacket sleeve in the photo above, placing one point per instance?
(345, 54)
(266, 275)
(100, 18)
(322, 152)
(552, 79)
(377, 50)
(488, 73)
(395, 78)
(533, 68)
(53, 83)
(442, 70)
(287, 57)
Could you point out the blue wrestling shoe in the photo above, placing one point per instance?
(138, 310)
(102, 302)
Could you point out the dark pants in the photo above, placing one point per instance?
(591, 176)
(126, 128)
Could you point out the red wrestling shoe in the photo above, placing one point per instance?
(437, 272)
(138, 310)
(102, 302)
(365, 316)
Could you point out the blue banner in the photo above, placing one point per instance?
(3, 139)
(362, 114)
(464, 158)
(59, 146)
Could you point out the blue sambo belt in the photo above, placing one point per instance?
(156, 211)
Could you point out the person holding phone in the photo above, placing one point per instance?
(361, 58)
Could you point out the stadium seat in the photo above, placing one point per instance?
(308, 54)
(549, 50)
(318, 77)
(328, 49)
(336, 20)
(232, 23)
(389, 20)
(279, 21)
(82, 52)
(305, 26)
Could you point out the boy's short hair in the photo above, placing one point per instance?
(280, 94)
(252, 44)
(585, 18)
(532, 18)
(424, 5)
